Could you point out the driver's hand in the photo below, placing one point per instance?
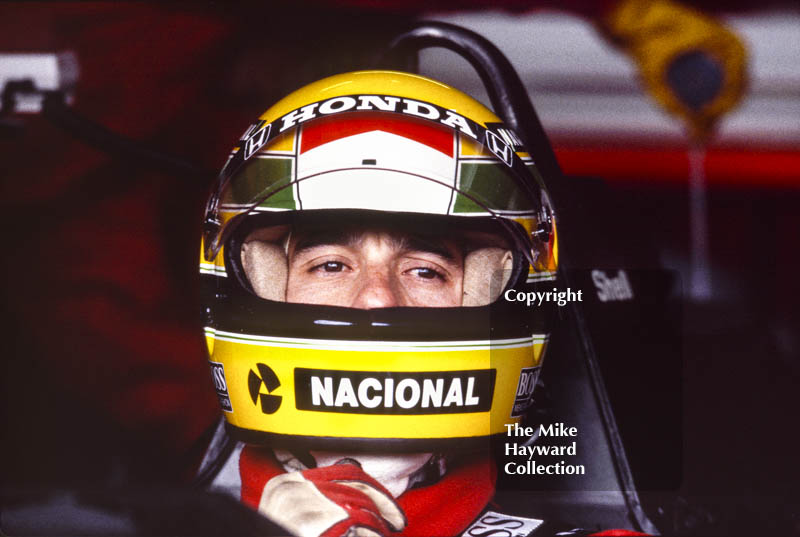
(333, 501)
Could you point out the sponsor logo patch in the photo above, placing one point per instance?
(221, 386)
(374, 392)
(525, 386)
(612, 288)
(498, 524)
(267, 378)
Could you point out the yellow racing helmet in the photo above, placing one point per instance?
(376, 150)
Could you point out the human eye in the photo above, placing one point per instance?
(427, 273)
(329, 266)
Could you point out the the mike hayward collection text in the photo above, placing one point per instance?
(522, 454)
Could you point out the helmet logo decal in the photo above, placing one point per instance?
(409, 393)
(502, 143)
(255, 138)
(382, 103)
(221, 386)
(528, 376)
(501, 149)
(266, 377)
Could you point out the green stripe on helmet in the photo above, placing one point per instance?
(489, 183)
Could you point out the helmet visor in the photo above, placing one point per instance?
(374, 161)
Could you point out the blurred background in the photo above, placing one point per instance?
(690, 167)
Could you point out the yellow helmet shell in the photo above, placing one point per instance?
(337, 378)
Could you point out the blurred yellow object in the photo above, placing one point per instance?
(693, 65)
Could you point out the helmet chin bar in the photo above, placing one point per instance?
(239, 310)
(366, 445)
(384, 347)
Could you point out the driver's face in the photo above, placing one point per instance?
(374, 269)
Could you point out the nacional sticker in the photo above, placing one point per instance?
(408, 393)
(497, 524)
(528, 376)
(221, 386)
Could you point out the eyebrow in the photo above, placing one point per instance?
(313, 238)
(420, 243)
(405, 241)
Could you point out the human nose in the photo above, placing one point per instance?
(377, 290)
